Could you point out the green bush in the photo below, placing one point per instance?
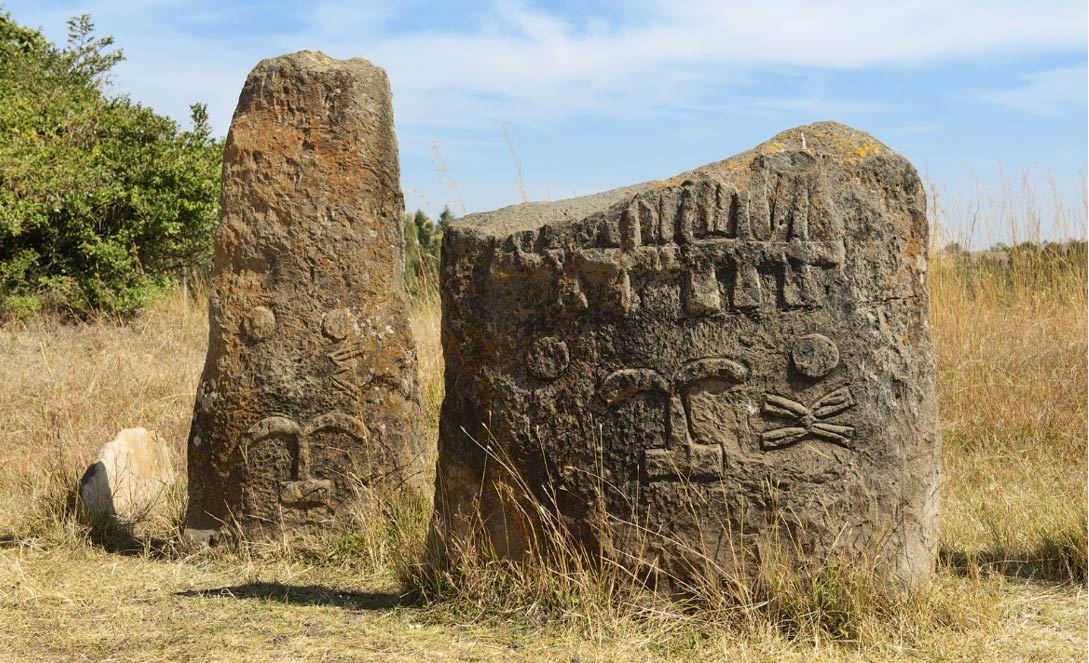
(423, 245)
(102, 201)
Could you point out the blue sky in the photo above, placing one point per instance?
(596, 95)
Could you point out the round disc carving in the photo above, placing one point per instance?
(814, 355)
(335, 324)
(547, 358)
(259, 323)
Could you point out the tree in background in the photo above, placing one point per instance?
(446, 218)
(102, 201)
(423, 245)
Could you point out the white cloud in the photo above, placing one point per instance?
(1046, 92)
(523, 64)
(340, 19)
(528, 65)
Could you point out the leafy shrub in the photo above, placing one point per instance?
(102, 201)
(423, 245)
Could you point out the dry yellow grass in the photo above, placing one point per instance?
(69, 389)
(1010, 336)
(1012, 357)
(1012, 389)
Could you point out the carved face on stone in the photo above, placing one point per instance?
(700, 359)
(697, 415)
(309, 388)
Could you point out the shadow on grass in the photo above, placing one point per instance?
(61, 507)
(120, 540)
(1052, 561)
(307, 595)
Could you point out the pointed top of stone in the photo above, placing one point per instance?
(835, 143)
(313, 61)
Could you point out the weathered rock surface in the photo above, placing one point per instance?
(128, 480)
(310, 387)
(689, 370)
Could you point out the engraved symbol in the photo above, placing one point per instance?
(814, 355)
(786, 224)
(302, 491)
(259, 323)
(808, 421)
(569, 294)
(548, 358)
(683, 455)
(769, 245)
(344, 358)
(336, 324)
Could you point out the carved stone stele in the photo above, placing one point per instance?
(310, 387)
(700, 372)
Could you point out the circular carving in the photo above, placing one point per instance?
(335, 324)
(814, 355)
(259, 324)
(548, 358)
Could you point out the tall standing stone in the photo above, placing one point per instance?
(310, 386)
(693, 371)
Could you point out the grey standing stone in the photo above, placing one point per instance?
(310, 387)
(692, 371)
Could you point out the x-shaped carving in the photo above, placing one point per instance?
(808, 421)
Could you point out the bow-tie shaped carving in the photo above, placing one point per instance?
(810, 421)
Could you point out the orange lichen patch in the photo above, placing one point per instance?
(664, 184)
(837, 143)
(841, 145)
(772, 146)
(913, 248)
(743, 162)
(869, 148)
